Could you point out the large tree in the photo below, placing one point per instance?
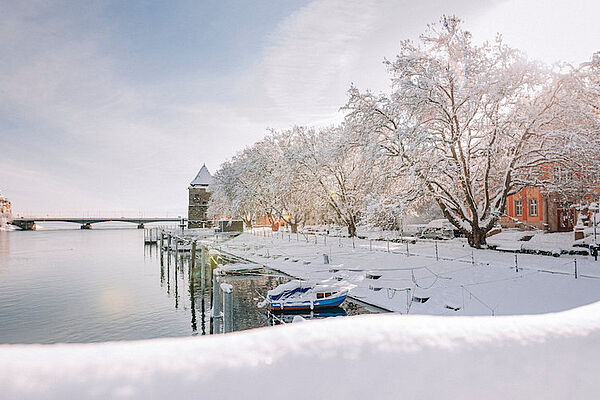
(464, 123)
(336, 169)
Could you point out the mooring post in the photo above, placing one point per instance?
(176, 252)
(227, 290)
(193, 255)
(203, 270)
(216, 305)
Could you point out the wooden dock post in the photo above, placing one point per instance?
(193, 255)
(203, 270)
(216, 305)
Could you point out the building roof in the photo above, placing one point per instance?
(203, 178)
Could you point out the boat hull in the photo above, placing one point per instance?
(320, 304)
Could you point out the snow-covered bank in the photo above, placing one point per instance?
(385, 356)
(443, 278)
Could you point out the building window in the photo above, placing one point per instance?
(533, 207)
(518, 208)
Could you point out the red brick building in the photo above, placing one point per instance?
(531, 208)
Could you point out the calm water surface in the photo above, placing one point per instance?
(70, 285)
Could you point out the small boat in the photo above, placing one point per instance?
(306, 296)
(238, 267)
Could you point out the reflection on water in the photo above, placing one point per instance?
(75, 285)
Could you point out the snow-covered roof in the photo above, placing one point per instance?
(203, 178)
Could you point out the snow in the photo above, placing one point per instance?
(226, 288)
(551, 356)
(203, 178)
(460, 281)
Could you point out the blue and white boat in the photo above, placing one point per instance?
(307, 296)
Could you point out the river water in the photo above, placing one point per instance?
(62, 284)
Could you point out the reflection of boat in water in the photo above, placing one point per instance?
(288, 317)
(303, 295)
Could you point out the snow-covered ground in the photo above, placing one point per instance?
(383, 356)
(459, 281)
(540, 241)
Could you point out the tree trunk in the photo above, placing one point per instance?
(351, 229)
(248, 223)
(294, 228)
(477, 238)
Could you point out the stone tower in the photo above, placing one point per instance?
(198, 200)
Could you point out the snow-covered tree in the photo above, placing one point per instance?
(262, 180)
(336, 169)
(230, 196)
(465, 123)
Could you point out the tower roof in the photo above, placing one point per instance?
(203, 178)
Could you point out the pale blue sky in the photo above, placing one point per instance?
(112, 107)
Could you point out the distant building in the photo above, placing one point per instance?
(535, 207)
(5, 210)
(198, 199)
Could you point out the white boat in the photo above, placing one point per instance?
(306, 295)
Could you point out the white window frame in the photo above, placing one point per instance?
(518, 208)
(533, 205)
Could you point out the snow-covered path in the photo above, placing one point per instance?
(458, 281)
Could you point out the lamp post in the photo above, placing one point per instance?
(594, 208)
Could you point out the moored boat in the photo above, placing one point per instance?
(306, 296)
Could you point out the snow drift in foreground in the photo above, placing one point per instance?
(551, 356)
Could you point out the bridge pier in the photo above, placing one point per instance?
(141, 226)
(86, 226)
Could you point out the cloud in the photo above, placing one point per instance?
(549, 31)
(77, 131)
(318, 51)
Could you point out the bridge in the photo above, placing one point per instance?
(28, 224)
